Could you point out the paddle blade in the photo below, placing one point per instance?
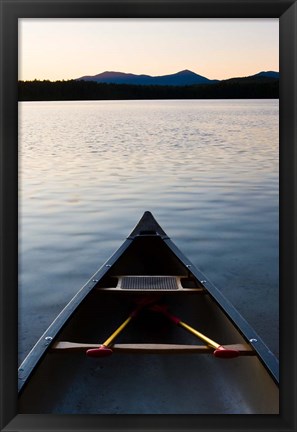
(101, 351)
(226, 353)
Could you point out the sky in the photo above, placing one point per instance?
(62, 49)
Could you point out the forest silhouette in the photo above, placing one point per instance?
(235, 88)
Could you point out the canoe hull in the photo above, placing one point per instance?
(144, 374)
(154, 384)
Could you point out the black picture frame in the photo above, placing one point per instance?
(11, 11)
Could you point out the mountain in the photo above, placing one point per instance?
(182, 78)
(260, 78)
(118, 78)
(269, 74)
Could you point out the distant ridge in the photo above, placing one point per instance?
(269, 74)
(261, 75)
(182, 78)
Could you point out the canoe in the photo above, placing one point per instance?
(149, 334)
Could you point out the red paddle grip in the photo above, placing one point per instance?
(226, 353)
(101, 351)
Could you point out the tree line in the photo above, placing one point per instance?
(236, 88)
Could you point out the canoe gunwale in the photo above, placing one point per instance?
(265, 355)
(44, 343)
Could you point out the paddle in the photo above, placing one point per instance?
(104, 349)
(219, 350)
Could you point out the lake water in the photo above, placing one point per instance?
(208, 171)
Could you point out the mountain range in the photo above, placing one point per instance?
(182, 85)
(182, 78)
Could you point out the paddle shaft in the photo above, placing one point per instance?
(190, 329)
(117, 331)
(103, 350)
(219, 350)
(201, 336)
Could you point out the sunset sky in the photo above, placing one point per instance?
(58, 49)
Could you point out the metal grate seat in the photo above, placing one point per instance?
(149, 283)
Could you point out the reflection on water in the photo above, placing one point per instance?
(208, 170)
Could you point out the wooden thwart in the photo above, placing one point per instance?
(243, 349)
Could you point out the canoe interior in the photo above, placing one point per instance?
(126, 383)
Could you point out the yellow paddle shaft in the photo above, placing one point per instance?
(200, 335)
(118, 331)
